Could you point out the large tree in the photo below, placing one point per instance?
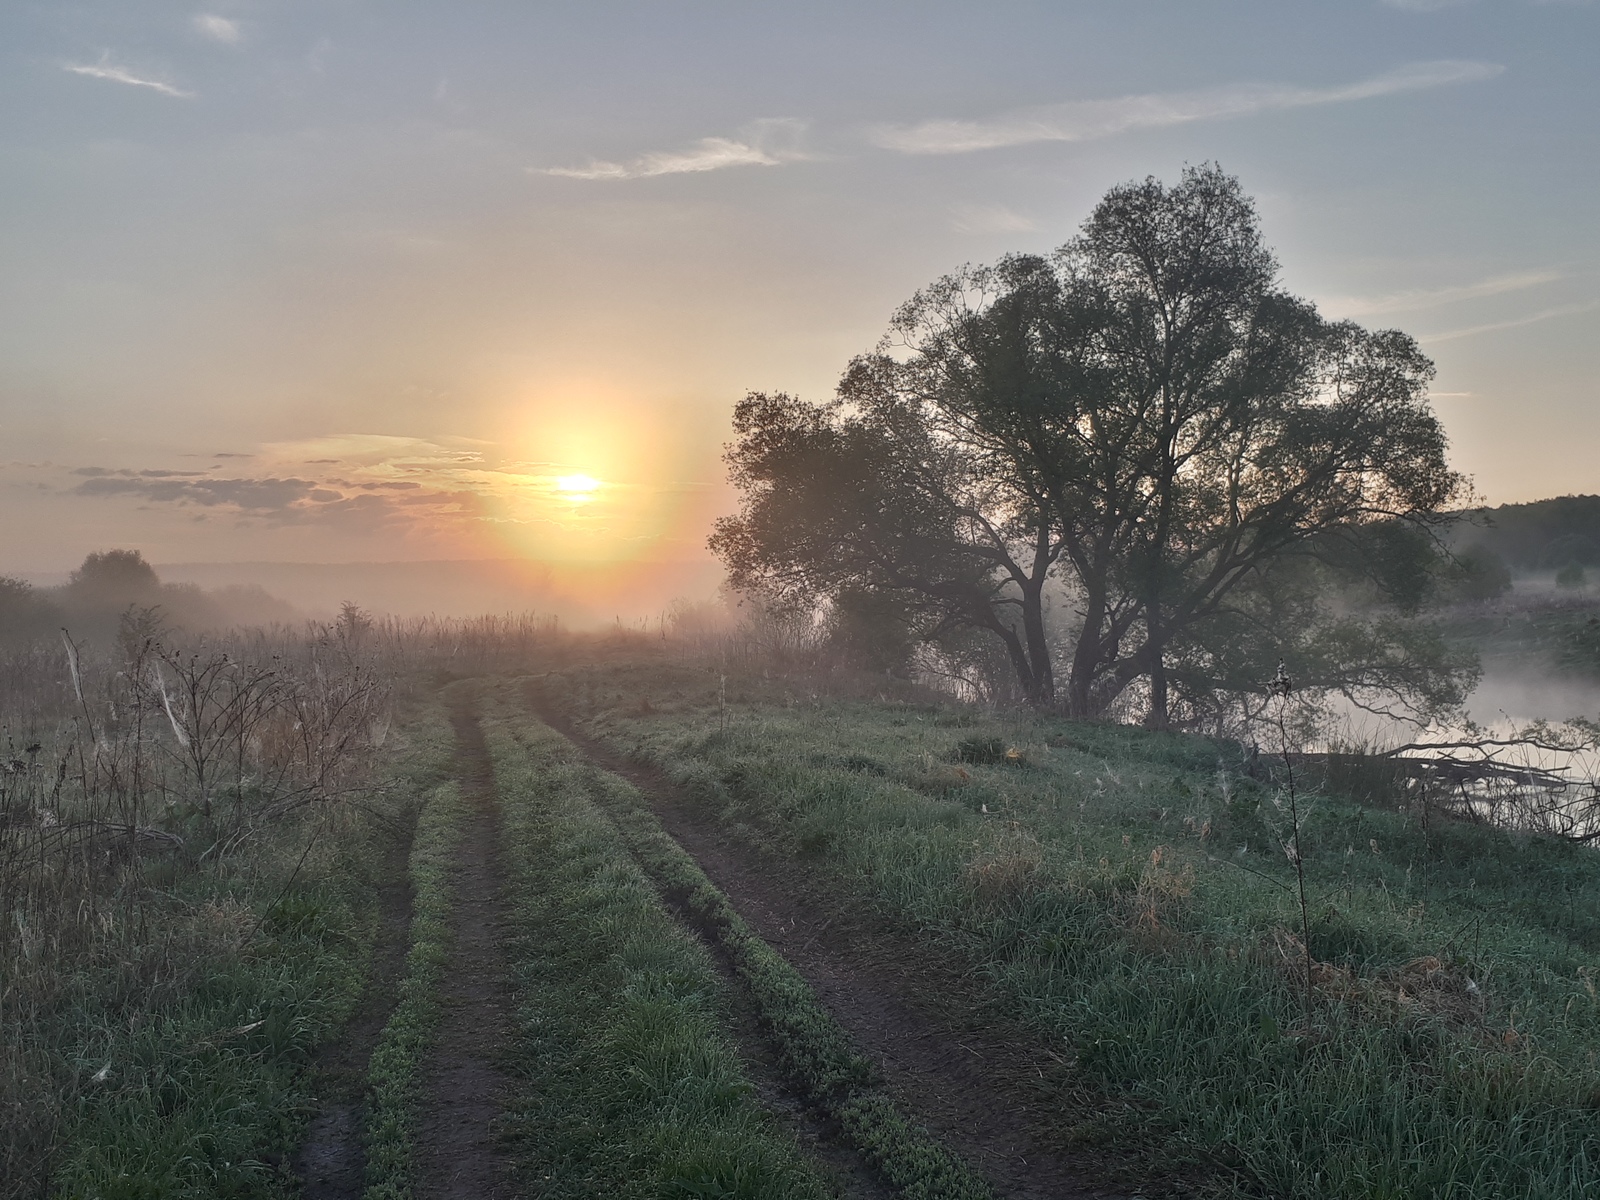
(1146, 417)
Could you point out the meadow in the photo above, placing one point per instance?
(762, 933)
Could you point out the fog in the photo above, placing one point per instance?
(1509, 694)
(199, 597)
(582, 595)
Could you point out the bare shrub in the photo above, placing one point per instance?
(141, 763)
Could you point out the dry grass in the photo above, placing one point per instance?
(1005, 867)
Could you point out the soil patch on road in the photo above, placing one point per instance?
(458, 1152)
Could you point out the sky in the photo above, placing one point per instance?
(350, 280)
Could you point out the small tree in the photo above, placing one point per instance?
(114, 579)
(24, 614)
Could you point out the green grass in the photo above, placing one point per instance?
(816, 1051)
(395, 1071)
(633, 1087)
(1125, 895)
(194, 1081)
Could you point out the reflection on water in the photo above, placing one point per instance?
(1549, 781)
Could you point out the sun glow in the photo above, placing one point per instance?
(579, 489)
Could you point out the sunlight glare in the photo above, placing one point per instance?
(577, 488)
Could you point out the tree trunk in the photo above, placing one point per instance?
(1027, 677)
(1087, 657)
(1038, 648)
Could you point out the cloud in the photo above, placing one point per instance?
(1423, 5)
(105, 69)
(769, 143)
(1564, 310)
(218, 29)
(444, 487)
(248, 495)
(1084, 120)
(989, 218)
(98, 471)
(1419, 298)
(373, 449)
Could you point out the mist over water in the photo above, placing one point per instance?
(1511, 695)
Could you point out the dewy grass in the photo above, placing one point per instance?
(1154, 935)
(816, 1051)
(197, 1086)
(394, 1072)
(634, 1089)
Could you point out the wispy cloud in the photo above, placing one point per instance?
(106, 69)
(989, 218)
(376, 482)
(1563, 310)
(1083, 120)
(1420, 298)
(248, 495)
(218, 29)
(767, 143)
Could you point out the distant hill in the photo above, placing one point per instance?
(1544, 535)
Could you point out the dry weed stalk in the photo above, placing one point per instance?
(1280, 687)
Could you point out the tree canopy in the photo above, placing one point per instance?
(1144, 426)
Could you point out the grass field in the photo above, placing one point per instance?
(1118, 900)
(1127, 896)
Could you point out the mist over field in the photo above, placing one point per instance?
(581, 595)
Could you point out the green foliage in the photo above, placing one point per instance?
(1570, 576)
(1480, 574)
(981, 751)
(192, 1081)
(114, 579)
(1129, 896)
(870, 632)
(1540, 536)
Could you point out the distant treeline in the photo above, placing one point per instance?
(112, 583)
(1545, 535)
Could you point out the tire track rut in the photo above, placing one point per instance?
(331, 1160)
(458, 1154)
(992, 1099)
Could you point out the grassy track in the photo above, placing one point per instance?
(394, 1072)
(634, 1089)
(1125, 894)
(195, 1085)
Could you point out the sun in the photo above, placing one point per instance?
(579, 489)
